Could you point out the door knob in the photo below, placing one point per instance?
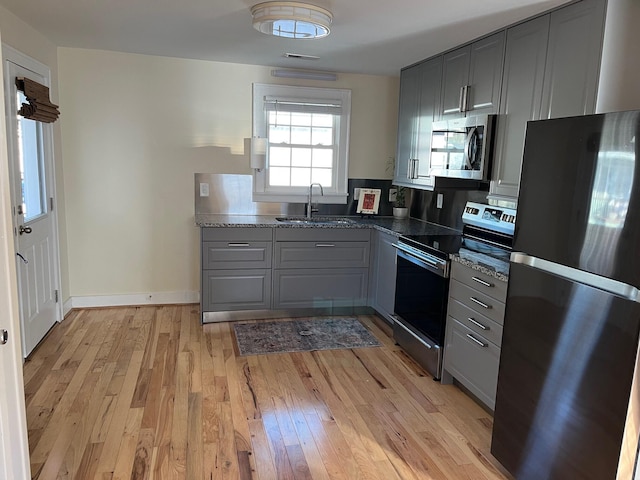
(4, 336)
(22, 229)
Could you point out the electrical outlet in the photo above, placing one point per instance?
(204, 189)
(356, 193)
(439, 200)
(393, 192)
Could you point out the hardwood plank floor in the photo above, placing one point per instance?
(149, 393)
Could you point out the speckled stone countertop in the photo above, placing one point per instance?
(498, 269)
(408, 226)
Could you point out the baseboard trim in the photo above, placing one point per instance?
(153, 298)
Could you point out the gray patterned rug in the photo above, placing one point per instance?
(302, 335)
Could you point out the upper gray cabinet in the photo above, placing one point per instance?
(520, 101)
(419, 106)
(471, 78)
(573, 60)
(550, 71)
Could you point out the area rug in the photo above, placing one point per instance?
(302, 335)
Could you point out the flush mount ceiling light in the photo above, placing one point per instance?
(291, 19)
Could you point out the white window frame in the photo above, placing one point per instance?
(337, 193)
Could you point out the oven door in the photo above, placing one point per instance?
(422, 288)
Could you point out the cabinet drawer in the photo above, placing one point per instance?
(320, 287)
(249, 254)
(236, 290)
(327, 254)
(480, 281)
(477, 301)
(472, 360)
(480, 324)
(322, 234)
(236, 234)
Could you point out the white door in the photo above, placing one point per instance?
(30, 149)
(14, 451)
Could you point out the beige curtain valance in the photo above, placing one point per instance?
(39, 107)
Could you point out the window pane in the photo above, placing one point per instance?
(300, 177)
(301, 135)
(279, 118)
(322, 176)
(322, 120)
(279, 134)
(302, 119)
(279, 176)
(323, 157)
(280, 156)
(31, 166)
(301, 157)
(322, 136)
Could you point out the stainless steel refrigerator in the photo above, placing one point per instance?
(568, 397)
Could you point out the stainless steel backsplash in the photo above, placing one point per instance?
(230, 194)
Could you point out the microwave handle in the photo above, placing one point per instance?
(468, 151)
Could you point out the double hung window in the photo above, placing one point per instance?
(307, 133)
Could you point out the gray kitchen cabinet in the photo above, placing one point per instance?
(551, 70)
(419, 107)
(471, 78)
(236, 269)
(382, 278)
(320, 268)
(573, 60)
(474, 331)
(520, 101)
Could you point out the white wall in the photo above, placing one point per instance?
(136, 128)
(28, 41)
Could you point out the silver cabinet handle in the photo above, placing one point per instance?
(482, 304)
(409, 165)
(237, 245)
(22, 229)
(465, 98)
(325, 245)
(477, 324)
(461, 100)
(482, 282)
(474, 339)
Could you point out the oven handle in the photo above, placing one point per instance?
(439, 268)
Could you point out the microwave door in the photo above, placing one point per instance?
(469, 148)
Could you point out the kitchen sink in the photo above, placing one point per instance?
(315, 221)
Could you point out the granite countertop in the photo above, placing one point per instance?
(408, 226)
(496, 268)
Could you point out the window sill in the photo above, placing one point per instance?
(331, 198)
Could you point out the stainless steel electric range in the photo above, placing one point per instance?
(422, 278)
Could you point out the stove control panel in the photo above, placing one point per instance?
(497, 219)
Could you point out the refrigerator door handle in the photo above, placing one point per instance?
(608, 285)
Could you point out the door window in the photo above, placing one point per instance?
(31, 163)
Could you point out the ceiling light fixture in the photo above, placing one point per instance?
(291, 19)
(305, 74)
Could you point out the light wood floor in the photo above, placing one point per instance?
(147, 392)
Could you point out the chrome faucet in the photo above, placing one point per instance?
(309, 207)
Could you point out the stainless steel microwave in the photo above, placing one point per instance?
(462, 147)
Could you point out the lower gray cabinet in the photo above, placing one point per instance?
(237, 289)
(474, 332)
(383, 274)
(320, 268)
(319, 287)
(236, 269)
